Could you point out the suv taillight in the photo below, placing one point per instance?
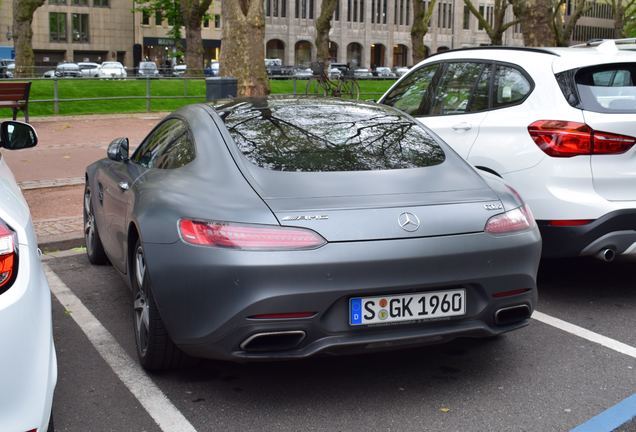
(560, 138)
(8, 257)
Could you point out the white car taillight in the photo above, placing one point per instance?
(247, 236)
(515, 220)
(558, 138)
(8, 258)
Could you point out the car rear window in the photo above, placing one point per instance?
(609, 88)
(313, 135)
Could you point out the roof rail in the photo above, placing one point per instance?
(597, 42)
(500, 47)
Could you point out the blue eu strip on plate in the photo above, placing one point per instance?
(355, 311)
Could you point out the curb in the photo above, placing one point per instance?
(61, 242)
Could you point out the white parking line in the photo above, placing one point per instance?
(581, 332)
(162, 411)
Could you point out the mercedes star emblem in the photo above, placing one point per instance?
(409, 222)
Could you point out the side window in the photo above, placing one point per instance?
(510, 86)
(178, 153)
(409, 95)
(456, 88)
(155, 143)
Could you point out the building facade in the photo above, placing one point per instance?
(365, 33)
(77, 30)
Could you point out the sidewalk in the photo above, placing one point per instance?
(51, 175)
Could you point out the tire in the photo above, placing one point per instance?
(155, 349)
(314, 88)
(94, 247)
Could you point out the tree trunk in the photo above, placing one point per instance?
(23, 11)
(192, 12)
(243, 51)
(535, 16)
(563, 28)
(498, 28)
(619, 19)
(421, 17)
(323, 26)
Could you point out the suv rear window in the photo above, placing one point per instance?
(607, 88)
(315, 135)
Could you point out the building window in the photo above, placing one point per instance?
(466, 18)
(158, 17)
(101, 3)
(444, 15)
(276, 8)
(408, 12)
(57, 2)
(79, 2)
(355, 12)
(79, 24)
(145, 17)
(481, 12)
(206, 22)
(304, 9)
(217, 21)
(171, 20)
(57, 27)
(283, 8)
(336, 13)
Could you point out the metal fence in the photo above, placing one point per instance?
(298, 87)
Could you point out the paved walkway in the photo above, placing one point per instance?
(51, 175)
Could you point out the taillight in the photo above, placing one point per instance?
(248, 237)
(559, 138)
(8, 257)
(518, 219)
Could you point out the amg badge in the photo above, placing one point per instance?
(305, 218)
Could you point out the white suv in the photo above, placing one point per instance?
(558, 124)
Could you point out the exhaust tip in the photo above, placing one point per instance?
(511, 315)
(606, 255)
(273, 341)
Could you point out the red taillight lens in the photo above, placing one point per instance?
(515, 220)
(248, 237)
(7, 256)
(569, 223)
(559, 138)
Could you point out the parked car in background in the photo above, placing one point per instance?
(273, 66)
(556, 123)
(49, 74)
(28, 365)
(335, 73)
(285, 227)
(68, 70)
(212, 70)
(179, 70)
(400, 70)
(362, 73)
(383, 72)
(10, 71)
(303, 73)
(112, 70)
(5, 71)
(89, 69)
(148, 69)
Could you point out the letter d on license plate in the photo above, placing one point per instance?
(409, 307)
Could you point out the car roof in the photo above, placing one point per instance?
(561, 58)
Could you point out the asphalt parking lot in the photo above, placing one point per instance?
(550, 376)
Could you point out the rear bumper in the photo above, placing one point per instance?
(615, 230)
(28, 365)
(206, 295)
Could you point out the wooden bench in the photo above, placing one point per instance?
(15, 95)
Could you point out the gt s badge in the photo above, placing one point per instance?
(493, 206)
(305, 218)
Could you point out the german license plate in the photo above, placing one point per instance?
(408, 307)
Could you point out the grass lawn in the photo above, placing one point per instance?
(175, 89)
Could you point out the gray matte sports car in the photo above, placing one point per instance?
(283, 227)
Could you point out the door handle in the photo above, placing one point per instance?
(462, 127)
(123, 186)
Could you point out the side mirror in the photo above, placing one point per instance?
(16, 135)
(118, 150)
